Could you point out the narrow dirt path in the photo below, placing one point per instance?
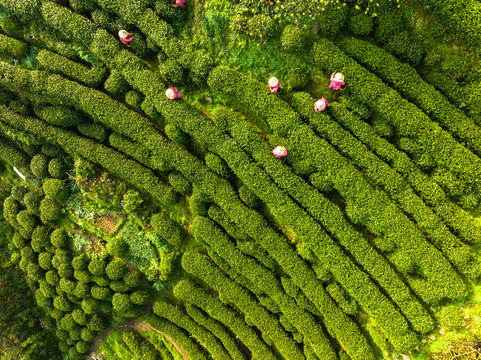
(142, 325)
(136, 325)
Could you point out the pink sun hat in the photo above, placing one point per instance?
(279, 151)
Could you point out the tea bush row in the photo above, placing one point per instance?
(179, 317)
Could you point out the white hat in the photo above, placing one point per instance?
(279, 150)
(273, 82)
(170, 93)
(339, 77)
(123, 34)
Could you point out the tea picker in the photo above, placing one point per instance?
(274, 84)
(337, 82)
(125, 37)
(179, 3)
(172, 94)
(320, 104)
(279, 151)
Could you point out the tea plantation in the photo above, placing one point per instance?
(216, 179)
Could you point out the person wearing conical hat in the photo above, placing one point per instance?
(279, 151)
(125, 37)
(337, 82)
(180, 3)
(172, 94)
(320, 104)
(274, 84)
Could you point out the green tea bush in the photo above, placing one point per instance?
(45, 260)
(27, 222)
(57, 168)
(180, 183)
(32, 201)
(172, 71)
(39, 166)
(52, 277)
(132, 201)
(248, 197)
(140, 297)
(59, 115)
(83, 347)
(13, 155)
(80, 317)
(94, 131)
(116, 83)
(82, 289)
(260, 26)
(50, 211)
(217, 165)
(88, 335)
(176, 135)
(90, 305)
(97, 267)
(65, 271)
(359, 23)
(133, 278)
(117, 247)
(12, 46)
(59, 238)
(292, 39)
(62, 303)
(35, 272)
(116, 269)
(47, 289)
(101, 280)
(18, 240)
(134, 98)
(55, 189)
(121, 302)
(18, 192)
(40, 238)
(21, 106)
(100, 292)
(11, 208)
(68, 286)
(82, 275)
(119, 286)
(451, 317)
(297, 79)
(11, 26)
(103, 20)
(67, 323)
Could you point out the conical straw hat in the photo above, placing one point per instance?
(339, 77)
(170, 93)
(123, 34)
(273, 82)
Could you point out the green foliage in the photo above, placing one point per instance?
(32, 201)
(80, 317)
(39, 166)
(119, 286)
(52, 277)
(45, 260)
(27, 222)
(133, 278)
(140, 297)
(117, 247)
(59, 115)
(121, 303)
(59, 238)
(180, 183)
(12, 46)
(133, 98)
(248, 197)
(18, 240)
(97, 267)
(292, 39)
(116, 83)
(166, 227)
(176, 135)
(217, 165)
(100, 292)
(50, 211)
(82, 289)
(90, 306)
(132, 201)
(297, 79)
(116, 269)
(18, 192)
(94, 131)
(65, 271)
(260, 26)
(359, 23)
(451, 317)
(55, 189)
(40, 238)
(172, 71)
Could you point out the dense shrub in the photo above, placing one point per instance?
(248, 197)
(12, 46)
(360, 23)
(39, 166)
(100, 292)
(18, 240)
(68, 286)
(88, 335)
(132, 201)
(21, 106)
(55, 189)
(59, 115)
(11, 208)
(116, 269)
(59, 238)
(121, 302)
(82, 275)
(52, 277)
(50, 211)
(32, 201)
(27, 222)
(62, 303)
(260, 26)
(297, 79)
(94, 131)
(101, 280)
(97, 267)
(45, 260)
(80, 262)
(116, 83)
(47, 289)
(96, 323)
(292, 39)
(176, 135)
(134, 98)
(217, 165)
(117, 247)
(451, 317)
(172, 70)
(35, 272)
(83, 347)
(83, 168)
(40, 238)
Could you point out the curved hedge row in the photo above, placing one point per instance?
(266, 280)
(390, 181)
(216, 328)
(188, 292)
(178, 316)
(61, 65)
(13, 155)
